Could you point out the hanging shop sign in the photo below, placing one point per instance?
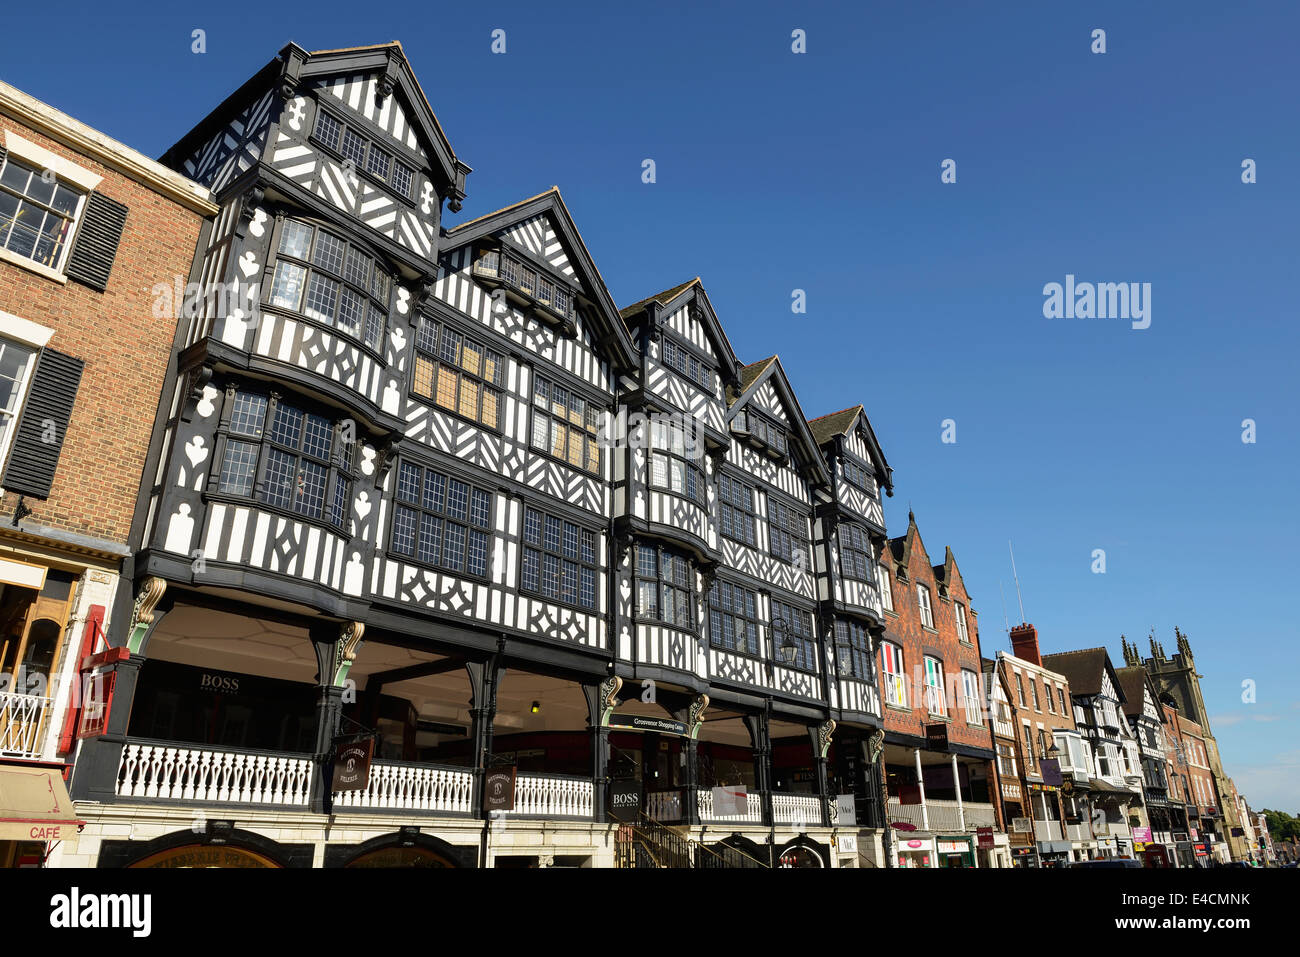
(1142, 835)
(640, 722)
(352, 758)
(1022, 825)
(1051, 770)
(936, 737)
(985, 835)
(499, 789)
(846, 810)
(625, 799)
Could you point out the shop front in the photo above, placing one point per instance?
(35, 811)
(915, 851)
(1054, 853)
(954, 851)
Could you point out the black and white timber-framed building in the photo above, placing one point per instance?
(430, 487)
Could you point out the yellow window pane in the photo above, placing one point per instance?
(446, 388)
(575, 448)
(489, 416)
(559, 439)
(423, 376)
(593, 457)
(469, 398)
(471, 357)
(490, 367)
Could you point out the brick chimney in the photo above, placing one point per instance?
(1024, 643)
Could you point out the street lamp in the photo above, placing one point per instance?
(785, 649)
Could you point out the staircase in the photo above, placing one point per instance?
(650, 843)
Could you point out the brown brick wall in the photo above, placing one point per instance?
(124, 347)
(904, 628)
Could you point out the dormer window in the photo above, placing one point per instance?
(681, 361)
(761, 433)
(551, 300)
(857, 476)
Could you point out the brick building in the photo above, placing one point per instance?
(1050, 757)
(938, 746)
(88, 229)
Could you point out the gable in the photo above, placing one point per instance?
(537, 235)
(234, 148)
(359, 92)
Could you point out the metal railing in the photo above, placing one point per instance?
(647, 843)
(22, 717)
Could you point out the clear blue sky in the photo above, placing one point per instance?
(821, 171)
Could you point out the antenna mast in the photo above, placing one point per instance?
(1019, 598)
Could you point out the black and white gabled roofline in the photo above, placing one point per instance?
(616, 338)
(858, 419)
(670, 300)
(772, 369)
(293, 66)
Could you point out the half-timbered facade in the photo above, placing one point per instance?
(427, 494)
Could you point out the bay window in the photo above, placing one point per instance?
(665, 587)
(674, 464)
(565, 425)
(853, 645)
(788, 531)
(798, 629)
(324, 277)
(855, 553)
(736, 509)
(302, 462)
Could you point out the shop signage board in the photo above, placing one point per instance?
(846, 843)
(1142, 835)
(1051, 770)
(985, 835)
(499, 789)
(640, 722)
(352, 758)
(936, 737)
(1022, 825)
(846, 810)
(625, 799)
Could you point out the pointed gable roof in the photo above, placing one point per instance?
(827, 428)
(613, 330)
(751, 379)
(1133, 680)
(947, 573)
(293, 67)
(1084, 670)
(901, 547)
(670, 300)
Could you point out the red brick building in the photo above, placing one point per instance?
(91, 232)
(938, 747)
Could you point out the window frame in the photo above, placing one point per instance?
(862, 550)
(848, 634)
(849, 467)
(22, 381)
(729, 511)
(970, 683)
(886, 587)
(688, 355)
(36, 169)
(662, 432)
(894, 680)
(663, 588)
(446, 519)
(804, 636)
(561, 553)
(924, 604)
(933, 684)
(363, 166)
(779, 530)
(432, 353)
(339, 463)
(754, 620)
(963, 628)
(589, 424)
(311, 268)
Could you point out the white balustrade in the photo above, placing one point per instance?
(413, 787)
(178, 773)
(753, 809)
(664, 806)
(22, 716)
(943, 815)
(804, 810)
(553, 796)
(905, 813)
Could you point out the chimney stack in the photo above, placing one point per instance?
(1024, 643)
